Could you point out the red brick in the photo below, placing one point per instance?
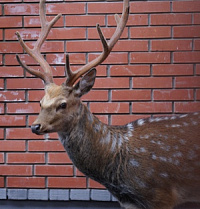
(99, 7)
(113, 58)
(67, 33)
(25, 158)
(10, 59)
(152, 107)
(54, 170)
(50, 46)
(1, 59)
(1, 157)
(67, 182)
(12, 120)
(12, 145)
(198, 69)
(171, 45)
(1, 133)
(6, 1)
(34, 21)
(173, 94)
(196, 18)
(151, 32)
(21, 9)
(45, 146)
(58, 158)
(131, 46)
(187, 82)
(8, 47)
(184, 107)
(22, 108)
(152, 57)
(124, 119)
(84, 46)
(172, 69)
(2, 182)
(96, 95)
(35, 96)
(198, 94)
(25, 83)
(149, 7)
(1, 34)
(9, 22)
(186, 31)
(10, 96)
(2, 108)
(130, 70)
(185, 6)
(26, 34)
(1, 83)
(197, 44)
(102, 118)
(11, 71)
(108, 32)
(187, 57)
(65, 8)
(76, 59)
(95, 185)
(78, 173)
(109, 107)
(134, 19)
(21, 133)
(82, 20)
(171, 19)
(26, 182)
(131, 95)
(116, 83)
(152, 82)
(15, 170)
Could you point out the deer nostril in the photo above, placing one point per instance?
(35, 128)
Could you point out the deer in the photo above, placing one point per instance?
(150, 163)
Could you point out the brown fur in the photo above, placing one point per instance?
(151, 163)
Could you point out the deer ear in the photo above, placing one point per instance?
(86, 83)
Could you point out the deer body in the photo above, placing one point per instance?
(151, 163)
(140, 165)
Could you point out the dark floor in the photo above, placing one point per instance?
(8, 204)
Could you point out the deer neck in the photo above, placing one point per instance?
(93, 146)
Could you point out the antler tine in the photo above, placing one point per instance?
(107, 46)
(35, 52)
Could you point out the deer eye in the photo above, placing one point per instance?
(63, 105)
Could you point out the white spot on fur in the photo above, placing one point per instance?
(164, 159)
(177, 154)
(134, 163)
(182, 141)
(183, 116)
(140, 122)
(195, 123)
(164, 175)
(175, 125)
(185, 124)
(192, 155)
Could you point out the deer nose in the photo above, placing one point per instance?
(36, 128)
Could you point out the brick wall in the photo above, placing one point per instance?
(153, 70)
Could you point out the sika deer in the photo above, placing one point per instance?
(151, 163)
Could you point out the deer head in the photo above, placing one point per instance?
(61, 103)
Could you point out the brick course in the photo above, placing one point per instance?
(153, 69)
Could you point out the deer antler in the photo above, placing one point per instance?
(107, 46)
(35, 52)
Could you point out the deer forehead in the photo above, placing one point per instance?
(53, 95)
